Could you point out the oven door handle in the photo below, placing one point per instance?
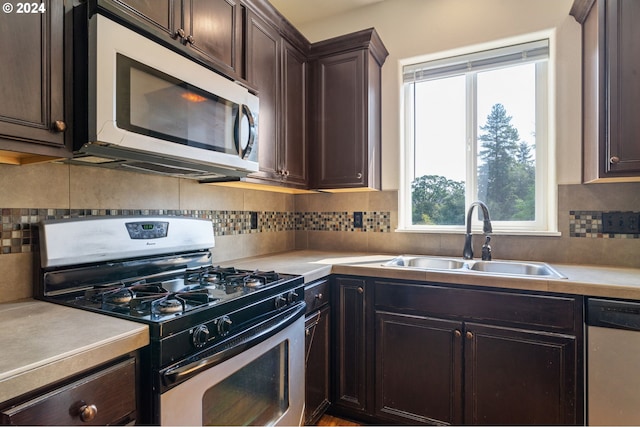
(248, 339)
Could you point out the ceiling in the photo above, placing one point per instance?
(300, 12)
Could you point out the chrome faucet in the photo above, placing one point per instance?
(467, 252)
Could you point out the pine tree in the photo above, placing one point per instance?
(498, 153)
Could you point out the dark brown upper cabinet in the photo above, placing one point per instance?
(278, 70)
(611, 89)
(346, 112)
(33, 118)
(214, 29)
(210, 31)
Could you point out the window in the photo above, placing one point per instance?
(476, 129)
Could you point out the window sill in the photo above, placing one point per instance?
(532, 233)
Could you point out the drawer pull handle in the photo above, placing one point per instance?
(88, 413)
(319, 297)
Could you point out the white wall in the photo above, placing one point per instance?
(418, 28)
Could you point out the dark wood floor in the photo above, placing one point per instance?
(328, 420)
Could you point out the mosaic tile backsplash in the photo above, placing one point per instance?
(18, 233)
(589, 224)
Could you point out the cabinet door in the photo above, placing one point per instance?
(263, 71)
(292, 152)
(317, 365)
(623, 60)
(350, 381)
(32, 79)
(214, 29)
(514, 376)
(158, 14)
(418, 369)
(340, 147)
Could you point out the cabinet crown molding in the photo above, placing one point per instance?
(580, 9)
(363, 39)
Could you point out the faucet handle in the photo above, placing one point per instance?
(486, 249)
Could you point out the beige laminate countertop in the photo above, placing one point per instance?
(43, 342)
(613, 282)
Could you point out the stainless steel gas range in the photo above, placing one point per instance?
(227, 345)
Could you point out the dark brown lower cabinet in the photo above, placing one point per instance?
(423, 353)
(418, 369)
(103, 397)
(317, 364)
(352, 382)
(516, 376)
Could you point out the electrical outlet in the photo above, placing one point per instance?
(357, 220)
(254, 220)
(621, 222)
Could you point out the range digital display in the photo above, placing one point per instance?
(147, 230)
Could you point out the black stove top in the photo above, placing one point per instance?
(176, 295)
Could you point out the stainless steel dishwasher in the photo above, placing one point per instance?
(613, 362)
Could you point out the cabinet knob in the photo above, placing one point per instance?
(614, 160)
(190, 39)
(59, 126)
(469, 336)
(360, 290)
(359, 175)
(180, 33)
(457, 333)
(88, 413)
(319, 297)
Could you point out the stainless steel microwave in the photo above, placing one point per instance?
(150, 109)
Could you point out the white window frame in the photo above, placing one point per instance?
(546, 184)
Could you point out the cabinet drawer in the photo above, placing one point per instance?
(549, 312)
(316, 294)
(106, 397)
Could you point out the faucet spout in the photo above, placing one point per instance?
(467, 252)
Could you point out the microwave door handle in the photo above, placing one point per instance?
(245, 150)
(255, 335)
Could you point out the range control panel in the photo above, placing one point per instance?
(147, 230)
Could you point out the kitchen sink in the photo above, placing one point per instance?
(517, 268)
(499, 268)
(432, 263)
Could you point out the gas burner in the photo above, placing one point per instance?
(168, 305)
(119, 296)
(253, 282)
(258, 278)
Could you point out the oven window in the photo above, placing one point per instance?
(153, 103)
(257, 394)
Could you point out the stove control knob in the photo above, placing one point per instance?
(200, 336)
(224, 325)
(291, 297)
(281, 301)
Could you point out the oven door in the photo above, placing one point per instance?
(261, 385)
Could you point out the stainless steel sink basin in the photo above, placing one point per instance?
(497, 268)
(515, 268)
(424, 262)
